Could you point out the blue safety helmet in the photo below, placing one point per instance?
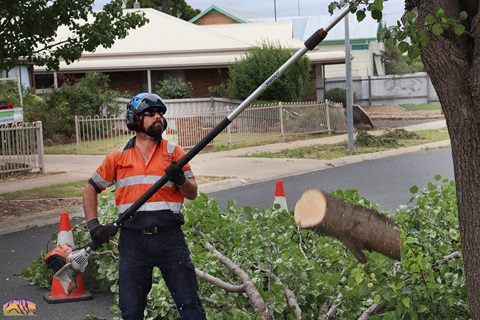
(138, 105)
(145, 100)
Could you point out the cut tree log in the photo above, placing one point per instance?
(358, 228)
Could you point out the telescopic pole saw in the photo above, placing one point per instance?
(309, 44)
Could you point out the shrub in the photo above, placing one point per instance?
(174, 89)
(247, 74)
(89, 96)
(338, 95)
(222, 90)
(9, 92)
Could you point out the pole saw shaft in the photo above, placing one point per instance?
(309, 44)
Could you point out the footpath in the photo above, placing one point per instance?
(233, 169)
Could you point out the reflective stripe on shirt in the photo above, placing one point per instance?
(175, 207)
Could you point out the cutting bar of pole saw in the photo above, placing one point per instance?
(309, 44)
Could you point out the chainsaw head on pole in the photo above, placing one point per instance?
(67, 265)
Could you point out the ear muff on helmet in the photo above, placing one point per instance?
(133, 119)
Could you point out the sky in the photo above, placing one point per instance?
(393, 9)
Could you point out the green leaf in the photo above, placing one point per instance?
(403, 46)
(422, 308)
(413, 52)
(439, 13)
(406, 302)
(424, 38)
(459, 29)
(360, 15)
(378, 4)
(452, 22)
(377, 15)
(413, 189)
(437, 29)
(429, 19)
(332, 6)
(463, 15)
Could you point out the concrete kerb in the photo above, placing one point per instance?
(222, 164)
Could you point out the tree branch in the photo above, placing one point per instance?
(254, 296)
(448, 257)
(372, 310)
(290, 296)
(219, 283)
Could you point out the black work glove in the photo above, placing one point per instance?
(176, 175)
(99, 233)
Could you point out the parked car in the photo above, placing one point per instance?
(6, 105)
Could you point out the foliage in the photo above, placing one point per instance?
(177, 8)
(174, 88)
(427, 284)
(222, 90)
(260, 63)
(90, 96)
(388, 139)
(398, 63)
(9, 92)
(29, 30)
(413, 37)
(338, 95)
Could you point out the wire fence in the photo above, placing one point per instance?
(21, 148)
(186, 127)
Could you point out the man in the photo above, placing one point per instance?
(153, 236)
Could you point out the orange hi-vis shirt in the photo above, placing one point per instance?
(133, 177)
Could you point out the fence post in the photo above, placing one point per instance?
(229, 134)
(370, 90)
(77, 134)
(327, 109)
(40, 150)
(282, 132)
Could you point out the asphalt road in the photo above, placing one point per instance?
(384, 181)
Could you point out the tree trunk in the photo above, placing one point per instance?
(358, 228)
(453, 64)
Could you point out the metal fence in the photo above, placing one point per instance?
(186, 127)
(415, 88)
(21, 148)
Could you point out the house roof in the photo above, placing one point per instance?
(166, 42)
(239, 16)
(305, 26)
(255, 33)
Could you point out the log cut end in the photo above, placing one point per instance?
(310, 208)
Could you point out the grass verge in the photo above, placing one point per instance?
(61, 190)
(377, 143)
(416, 107)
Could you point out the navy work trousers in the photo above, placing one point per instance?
(167, 250)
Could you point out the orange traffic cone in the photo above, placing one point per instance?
(57, 294)
(65, 235)
(280, 198)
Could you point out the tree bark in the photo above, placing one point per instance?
(358, 228)
(453, 64)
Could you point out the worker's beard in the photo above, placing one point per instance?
(155, 130)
